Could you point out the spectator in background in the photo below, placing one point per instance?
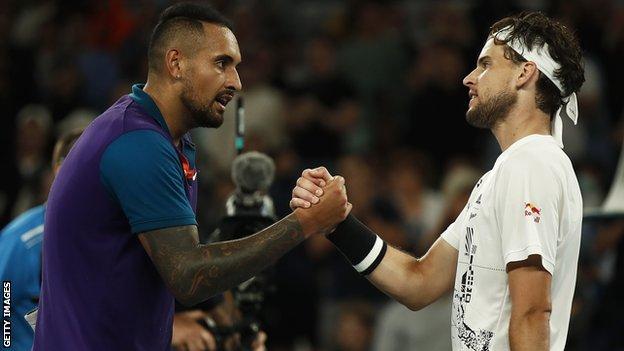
(420, 206)
(333, 110)
(373, 60)
(432, 82)
(398, 328)
(605, 329)
(20, 256)
(354, 329)
(34, 126)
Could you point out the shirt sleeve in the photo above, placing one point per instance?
(527, 203)
(12, 266)
(452, 234)
(141, 171)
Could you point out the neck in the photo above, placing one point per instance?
(169, 105)
(521, 121)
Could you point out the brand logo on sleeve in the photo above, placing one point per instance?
(531, 210)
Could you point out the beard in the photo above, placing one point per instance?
(488, 113)
(201, 114)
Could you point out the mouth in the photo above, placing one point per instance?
(472, 95)
(223, 99)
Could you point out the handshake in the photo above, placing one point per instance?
(319, 200)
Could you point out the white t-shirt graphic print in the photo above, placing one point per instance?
(529, 203)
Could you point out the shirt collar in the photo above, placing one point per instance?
(146, 101)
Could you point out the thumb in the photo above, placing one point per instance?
(322, 172)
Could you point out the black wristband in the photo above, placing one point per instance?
(363, 248)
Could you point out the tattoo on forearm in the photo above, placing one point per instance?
(195, 272)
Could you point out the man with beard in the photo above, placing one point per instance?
(121, 237)
(511, 255)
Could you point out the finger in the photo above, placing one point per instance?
(199, 345)
(349, 208)
(258, 343)
(308, 185)
(209, 341)
(303, 194)
(322, 172)
(195, 314)
(191, 345)
(337, 182)
(299, 203)
(310, 175)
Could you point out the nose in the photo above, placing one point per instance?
(233, 82)
(470, 79)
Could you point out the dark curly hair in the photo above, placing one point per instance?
(534, 28)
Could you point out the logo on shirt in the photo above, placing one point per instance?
(531, 210)
(472, 339)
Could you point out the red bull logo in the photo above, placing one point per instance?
(531, 210)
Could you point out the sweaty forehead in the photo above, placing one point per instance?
(219, 40)
(491, 49)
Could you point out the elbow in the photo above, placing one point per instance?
(189, 300)
(183, 293)
(537, 314)
(186, 302)
(413, 305)
(182, 296)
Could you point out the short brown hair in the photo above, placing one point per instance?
(535, 29)
(63, 145)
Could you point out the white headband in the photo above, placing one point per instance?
(548, 66)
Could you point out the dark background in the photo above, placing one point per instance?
(370, 89)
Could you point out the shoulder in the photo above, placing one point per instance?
(24, 229)
(122, 117)
(540, 157)
(138, 146)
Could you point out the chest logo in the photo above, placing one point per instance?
(531, 210)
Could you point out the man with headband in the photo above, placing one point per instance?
(512, 253)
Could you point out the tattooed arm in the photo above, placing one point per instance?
(194, 272)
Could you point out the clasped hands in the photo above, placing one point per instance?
(320, 201)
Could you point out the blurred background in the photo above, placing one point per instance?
(370, 89)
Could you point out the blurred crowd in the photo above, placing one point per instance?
(370, 89)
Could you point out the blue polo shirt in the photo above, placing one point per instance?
(20, 264)
(123, 176)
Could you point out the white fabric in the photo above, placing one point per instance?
(548, 66)
(371, 257)
(497, 227)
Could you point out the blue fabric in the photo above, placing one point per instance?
(142, 98)
(147, 103)
(20, 263)
(141, 171)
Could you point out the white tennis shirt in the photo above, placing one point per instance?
(529, 203)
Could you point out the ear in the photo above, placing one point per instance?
(527, 73)
(173, 62)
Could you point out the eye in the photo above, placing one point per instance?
(220, 64)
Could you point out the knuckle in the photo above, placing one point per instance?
(300, 182)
